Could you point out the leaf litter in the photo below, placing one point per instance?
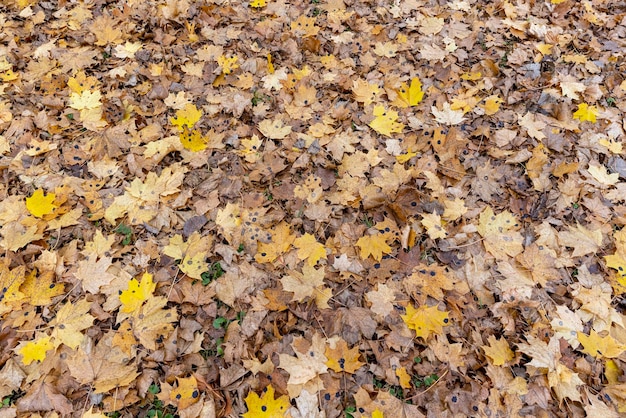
(319, 209)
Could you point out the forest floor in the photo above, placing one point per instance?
(342, 208)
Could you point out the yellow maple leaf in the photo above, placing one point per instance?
(40, 204)
(137, 293)
(492, 105)
(378, 413)
(498, 351)
(41, 289)
(433, 225)
(600, 347)
(403, 377)
(409, 95)
(81, 82)
(85, 100)
(425, 320)
(341, 358)
(586, 112)
(304, 26)
(186, 394)
(187, 116)
(227, 64)
(266, 406)
(36, 350)
(257, 3)
(194, 265)
(385, 121)
(251, 149)
(374, 245)
(193, 140)
(70, 322)
(282, 238)
(309, 249)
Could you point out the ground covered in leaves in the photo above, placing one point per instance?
(353, 208)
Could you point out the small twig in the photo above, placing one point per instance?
(429, 387)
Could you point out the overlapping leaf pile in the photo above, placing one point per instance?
(318, 209)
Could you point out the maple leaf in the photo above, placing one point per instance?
(434, 227)
(601, 174)
(274, 129)
(365, 92)
(137, 293)
(498, 351)
(282, 239)
(409, 96)
(85, 100)
(186, 393)
(499, 232)
(385, 121)
(447, 115)
(69, 322)
(582, 240)
(187, 116)
(374, 245)
(36, 349)
(152, 323)
(10, 282)
(309, 249)
(266, 406)
(309, 363)
(600, 347)
(193, 140)
(381, 299)
(492, 105)
(586, 112)
(341, 358)
(303, 284)
(378, 413)
(305, 26)
(40, 204)
(403, 377)
(567, 324)
(425, 320)
(227, 64)
(41, 289)
(102, 366)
